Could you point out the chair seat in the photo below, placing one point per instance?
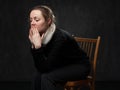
(79, 82)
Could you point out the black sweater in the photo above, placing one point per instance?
(62, 50)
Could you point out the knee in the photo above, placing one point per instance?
(47, 76)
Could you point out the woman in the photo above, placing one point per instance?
(56, 54)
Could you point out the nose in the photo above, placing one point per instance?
(33, 22)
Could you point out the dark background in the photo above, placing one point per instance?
(86, 18)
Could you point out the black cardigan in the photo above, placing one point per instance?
(62, 50)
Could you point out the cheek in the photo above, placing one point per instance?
(41, 26)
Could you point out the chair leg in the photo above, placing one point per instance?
(92, 86)
(79, 88)
(69, 88)
(72, 88)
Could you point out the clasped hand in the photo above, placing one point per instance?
(35, 38)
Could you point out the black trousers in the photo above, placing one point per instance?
(56, 79)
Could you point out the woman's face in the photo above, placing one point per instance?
(38, 21)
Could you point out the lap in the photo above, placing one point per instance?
(71, 72)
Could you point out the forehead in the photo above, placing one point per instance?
(36, 13)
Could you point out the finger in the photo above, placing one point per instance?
(42, 36)
(36, 31)
(30, 32)
(33, 31)
(30, 38)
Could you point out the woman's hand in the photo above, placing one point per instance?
(35, 38)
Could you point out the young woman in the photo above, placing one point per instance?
(56, 54)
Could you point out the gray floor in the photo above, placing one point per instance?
(108, 85)
(27, 86)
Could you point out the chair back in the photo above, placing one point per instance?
(90, 46)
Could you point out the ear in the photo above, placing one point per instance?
(49, 21)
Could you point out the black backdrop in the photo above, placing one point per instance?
(86, 18)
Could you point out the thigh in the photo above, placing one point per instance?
(71, 72)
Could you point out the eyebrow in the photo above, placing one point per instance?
(35, 17)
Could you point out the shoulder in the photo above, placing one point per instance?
(63, 34)
(62, 37)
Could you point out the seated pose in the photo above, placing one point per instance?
(57, 56)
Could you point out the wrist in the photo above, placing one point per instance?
(37, 46)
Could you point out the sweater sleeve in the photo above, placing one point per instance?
(47, 56)
(38, 54)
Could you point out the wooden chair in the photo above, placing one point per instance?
(91, 47)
